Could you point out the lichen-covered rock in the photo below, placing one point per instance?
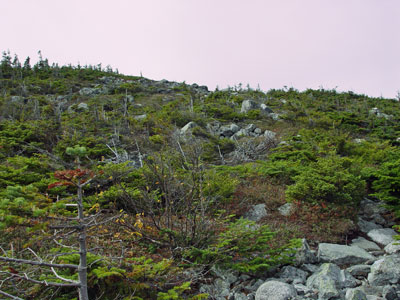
(382, 236)
(286, 209)
(275, 290)
(256, 213)
(355, 294)
(342, 254)
(269, 134)
(393, 247)
(385, 271)
(304, 255)
(248, 105)
(326, 281)
(359, 270)
(366, 226)
(365, 244)
(292, 274)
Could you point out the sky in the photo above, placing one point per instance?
(332, 44)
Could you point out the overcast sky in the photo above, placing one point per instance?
(348, 44)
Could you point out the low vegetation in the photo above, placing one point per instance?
(160, 207)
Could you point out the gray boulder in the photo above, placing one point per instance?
(275, 290)
(366, 226)
(292, 274)
(269, 134)
(393, 247)
(342, 254)
(248, 105)
(326, 281)
(365, 244)
(359, 270)
(304, 256)
(286, 209)
(256, 213)
(266, 109)
(370, 208)
(140, 117)
(355, 294)
(274, 116)
(228, 130)
(382, 236)
(83, 106)
(17, 99)
(385, 271)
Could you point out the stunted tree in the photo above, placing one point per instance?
(29, 209)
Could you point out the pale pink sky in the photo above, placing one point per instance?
(352, 44)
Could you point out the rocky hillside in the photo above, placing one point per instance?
(187, 193)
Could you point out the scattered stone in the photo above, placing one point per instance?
(291, 274)
(226, 275)
(275, 290)
(269, 134)
(342, 254)
(83, 106)
(385, 271)
(355, 294)
(393, 247)
(248, 105)
(266, 109)
(382, 236)
(389, 293)
(140, 117)
(286, 209)
(366, 226)
(359, 270)
(256, 213)
(365, 244)
(305, 256)
(326, 281)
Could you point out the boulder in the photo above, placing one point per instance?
(292, 274)
(269, 134)
(385, 271)
(286, 209)
(326, 281)
(370, 208)
(355, 294)
(365, 244)
(359, 270)
(366, 226)
(393, 247)
(228, 130)
(256, 213)
(250, 127)
(248, 105)
(304, 256)
(83, 106)
(140, 117)
(275, 290)
(342, 254)
(266, 109)
(383, 236)
(274, 116)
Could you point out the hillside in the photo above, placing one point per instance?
(178, 182)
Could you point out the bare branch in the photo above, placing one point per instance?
(10, 296)
(45, 282)
(37, 263)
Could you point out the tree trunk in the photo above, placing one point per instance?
(82, 269)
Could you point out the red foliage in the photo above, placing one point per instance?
(69, 177)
